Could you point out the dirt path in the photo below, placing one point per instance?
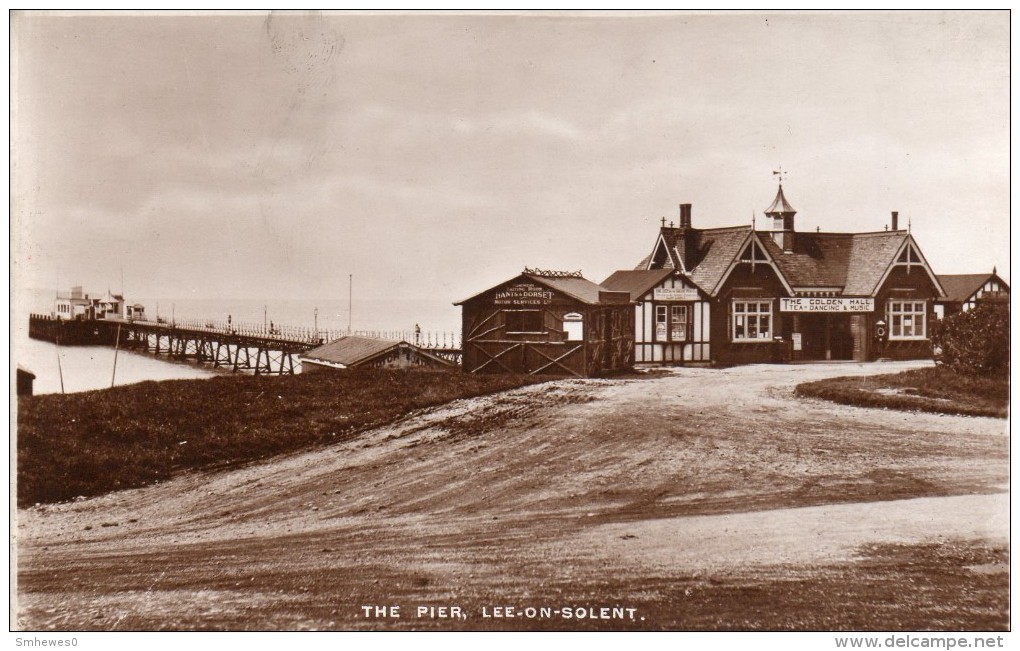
(502, 496)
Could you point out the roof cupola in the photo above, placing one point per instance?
(782, 214)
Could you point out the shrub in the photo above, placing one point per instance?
(975, 342)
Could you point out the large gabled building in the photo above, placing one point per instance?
(739, 294)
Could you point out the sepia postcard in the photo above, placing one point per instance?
(511, 321)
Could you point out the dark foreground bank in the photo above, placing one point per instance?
(90, 443)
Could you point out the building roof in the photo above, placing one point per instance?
(636, 282)
(960, 287)
(780, 205)
(582, 289)
(351, 350)
(851, 263)
(872, 255)
(817, 259)
(574, 286)
(713, 251)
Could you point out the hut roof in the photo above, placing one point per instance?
(354, 350)
(351, 350)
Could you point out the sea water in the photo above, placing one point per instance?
(86, 368)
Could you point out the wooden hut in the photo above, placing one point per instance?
(356, 352)
(548, 323)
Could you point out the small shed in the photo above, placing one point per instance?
(548, 323)
(26, 379)
(358, 352)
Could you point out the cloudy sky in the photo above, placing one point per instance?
(264, 157)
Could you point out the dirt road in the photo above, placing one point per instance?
(599, 492)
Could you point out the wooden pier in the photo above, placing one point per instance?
(260, 349)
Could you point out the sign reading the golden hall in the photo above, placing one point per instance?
(826, 305)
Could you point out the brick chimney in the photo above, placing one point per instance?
(684, 236)
(895, 220)
(685, 215)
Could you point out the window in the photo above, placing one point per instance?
(678, 322)
(524, 322)
(671, 322)
(752, 320)
(573, 326)
(907, 319)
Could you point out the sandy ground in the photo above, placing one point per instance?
(502, 497)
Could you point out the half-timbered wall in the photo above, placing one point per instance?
(656, 340)
(992, 287)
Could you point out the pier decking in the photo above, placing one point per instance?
(256, 348)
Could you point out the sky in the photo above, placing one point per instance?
(269, 156)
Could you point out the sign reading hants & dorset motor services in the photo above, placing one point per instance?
(524, 294)
(826, 305)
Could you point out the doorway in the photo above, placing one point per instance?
(824, 336)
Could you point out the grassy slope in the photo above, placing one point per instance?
(937, 390)
(97, 441)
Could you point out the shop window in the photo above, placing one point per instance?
(752, 320)
(678, 322)
(524, 322)
(671, 322)
(907, 319)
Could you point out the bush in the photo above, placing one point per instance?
(975, 342)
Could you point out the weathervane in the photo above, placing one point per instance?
(781, 173)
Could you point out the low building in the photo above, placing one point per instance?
(75, 304)
(964, 291)
(365, 352)
(134, 312)
(109, 306)
(739, 295)
(548, 323)
(25, 381)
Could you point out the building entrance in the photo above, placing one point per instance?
(822, 336)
